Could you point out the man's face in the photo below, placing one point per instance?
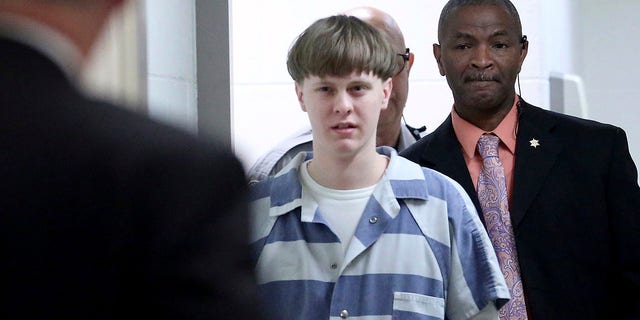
(344, 111)
(480, 54)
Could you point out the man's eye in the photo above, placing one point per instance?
(500, 46)
(359, 89)
(462, 46)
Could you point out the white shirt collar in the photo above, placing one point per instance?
(53, 44)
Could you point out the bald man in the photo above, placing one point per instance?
(105, 214)
(391, 129)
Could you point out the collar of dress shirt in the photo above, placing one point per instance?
(53, 44)
(468, 134)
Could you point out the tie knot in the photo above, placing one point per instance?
(488, 145)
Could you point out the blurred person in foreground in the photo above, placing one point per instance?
(354, 230)
(392, 130)
(571, 185)
(105, 214)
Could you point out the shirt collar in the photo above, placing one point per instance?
(403, 179)
(468, 134)
(405, 139)
(53, 44)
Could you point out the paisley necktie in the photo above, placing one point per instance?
(492, 193)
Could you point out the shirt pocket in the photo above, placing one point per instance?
(407, 305)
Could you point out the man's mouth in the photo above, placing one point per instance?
(343, 126)
(480, 77)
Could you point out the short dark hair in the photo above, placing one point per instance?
(339, 45)
(454, 4)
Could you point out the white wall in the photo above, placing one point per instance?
(117, 67)
(188, 65)
(171, 62)
(265, 106)
(607, 42)
(146, 60)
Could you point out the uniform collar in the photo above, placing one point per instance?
(402, 179)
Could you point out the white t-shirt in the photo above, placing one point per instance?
(341, 209)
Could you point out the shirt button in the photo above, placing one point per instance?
(373, 220)
(334, 266)
(344, 314)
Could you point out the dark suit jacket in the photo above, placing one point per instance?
(576, 205)
(105, 214)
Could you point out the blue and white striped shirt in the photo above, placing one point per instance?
(419, 251)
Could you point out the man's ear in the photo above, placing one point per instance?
(387, 87)
(437, 54)
(410, 62)
(523, 50)
(299, 95)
